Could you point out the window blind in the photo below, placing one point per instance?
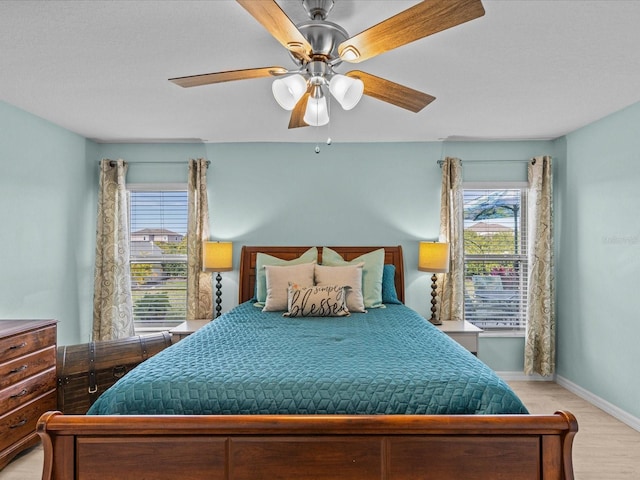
(495, 249)
(158, 257)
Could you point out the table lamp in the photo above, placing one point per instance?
(433, 257)
(217, 257)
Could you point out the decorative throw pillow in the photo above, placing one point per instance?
(371, 273)
(263, 259)
(318, 301)
(348, 275)
(278, 278)
(389, 293)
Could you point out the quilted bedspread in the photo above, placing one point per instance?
(386, 361)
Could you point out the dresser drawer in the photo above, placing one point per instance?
(22, 422)
(28, 389)
(19, 345)
(27, 382)
(20, 368)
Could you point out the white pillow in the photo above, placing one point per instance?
(318, 301)
(349, 276)
(263, 259)
(278, 279)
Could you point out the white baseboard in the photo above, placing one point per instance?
(601, 403)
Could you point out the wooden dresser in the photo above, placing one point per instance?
(27, 382)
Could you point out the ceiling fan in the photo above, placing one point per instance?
(318, 46)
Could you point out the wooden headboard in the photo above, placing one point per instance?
(392, 255)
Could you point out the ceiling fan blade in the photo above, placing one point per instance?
(392, 92)
(228, 76)
(421, 20)
(297, 114)
(278, 24)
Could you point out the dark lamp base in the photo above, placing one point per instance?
(434, 318)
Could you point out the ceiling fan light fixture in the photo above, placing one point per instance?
(346, 90)
(288, 90)
(317, 112)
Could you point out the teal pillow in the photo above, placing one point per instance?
(389, 293)
(263, 259)
(371, 272)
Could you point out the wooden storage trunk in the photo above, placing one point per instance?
(86, 370)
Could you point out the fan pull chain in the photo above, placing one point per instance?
(317, 149)
(329, 124)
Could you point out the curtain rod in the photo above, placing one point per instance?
(112, 163)
(519, 160)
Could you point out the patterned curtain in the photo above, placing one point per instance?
(199, 289)
(112, 304)
(451, 285)
(540, 345)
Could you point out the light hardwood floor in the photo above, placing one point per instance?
(604, 448)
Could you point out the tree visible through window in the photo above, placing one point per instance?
(495, 250)
(158, 254)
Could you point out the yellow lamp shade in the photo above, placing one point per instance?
(433, 257)
(217, 256)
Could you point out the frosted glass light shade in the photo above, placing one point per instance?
(346, 90)
(288, 90)
(217, 256)
(316, 113)
(433, 257)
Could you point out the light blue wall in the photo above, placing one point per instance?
(47, 218)
(348, 194)
(599, 262)
(259, 194)
(268, 194)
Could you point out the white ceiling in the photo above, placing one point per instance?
(528, 69)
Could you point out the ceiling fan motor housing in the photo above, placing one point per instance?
(324, 38)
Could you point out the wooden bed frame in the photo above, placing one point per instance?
(318, 447)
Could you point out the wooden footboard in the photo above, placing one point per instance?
(318, 447)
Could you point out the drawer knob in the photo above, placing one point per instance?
(16, 347)
(20, 423)
(21, 394)
(21, 368)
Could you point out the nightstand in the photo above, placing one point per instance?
(187, 328)
(465, 333)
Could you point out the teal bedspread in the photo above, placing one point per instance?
(386, 361)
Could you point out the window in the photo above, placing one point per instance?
(495, 256)
(158, 255)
